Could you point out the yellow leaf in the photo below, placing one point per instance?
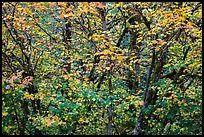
(69, 94)
(86, 10)
(185, 104)
(181, 18)
(182, 129)
(98, 71)
(120, 58)
(175, 99)
(179, 103)
(27, 10)
(86, 121)
(86, 79)
(131, 97)
(81, 120)
(49, 124)
(71, 86)
(103, 57)
(187, 91)
(157, 48)
(87, 4)
(31, 97)
(161, 116)
(68, 15)
(5, 114)
(96, 39)
(111, 48)
(119, 4)
(107, 52)
(92, 11)
(108, 68)
(7, 129)
(131, 68)
(141, 102)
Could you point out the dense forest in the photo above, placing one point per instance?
(101, 68)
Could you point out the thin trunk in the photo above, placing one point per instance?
(110, 117)
(67, 40)
(146, 97)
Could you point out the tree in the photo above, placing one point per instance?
(101, 68)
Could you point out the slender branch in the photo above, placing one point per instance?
(37, 61)
(9, 62)
(45, 32)
(150, 72)
(196, 7)
(146, 22)
(138, 124)
(16, 116)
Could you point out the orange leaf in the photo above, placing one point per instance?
(154, 41)
(101, 6)
(87, 4)
(59, 3)
(52, 4)
(12, 79)
(61, 16)
(86, 10)
(68, 9)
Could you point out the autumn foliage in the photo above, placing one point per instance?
(105, 68)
